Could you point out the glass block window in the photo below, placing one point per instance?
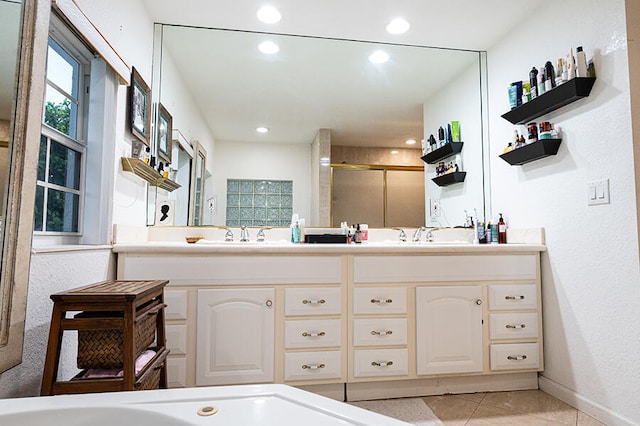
(259, 202)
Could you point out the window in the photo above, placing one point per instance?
(259, 202)
(75, 165)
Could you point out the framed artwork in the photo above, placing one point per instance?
(165, 123)
(139, 107)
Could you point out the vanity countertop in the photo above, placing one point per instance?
(288, 248)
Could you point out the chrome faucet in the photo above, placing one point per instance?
(228, 236)
(260, 235)
(429, 238)
(402, 236)
(244, 234)
(418, 234)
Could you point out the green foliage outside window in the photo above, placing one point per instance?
(58, 116)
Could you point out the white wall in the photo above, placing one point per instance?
(457, 101)
(590, 276)
(234, 160)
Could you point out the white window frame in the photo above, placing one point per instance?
(95, 141)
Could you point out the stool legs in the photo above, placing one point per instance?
(53, 350)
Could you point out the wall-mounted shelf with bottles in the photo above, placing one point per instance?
(531, 152)
(449, 178)
(571, 91)
(148, 173)
(443, 152)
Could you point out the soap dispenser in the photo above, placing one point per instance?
(502, 230)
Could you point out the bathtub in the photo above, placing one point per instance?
(246, 405)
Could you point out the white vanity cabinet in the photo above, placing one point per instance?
(449, 329)
(235, 336)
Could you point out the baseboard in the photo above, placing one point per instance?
(439, 386)
(571, 397)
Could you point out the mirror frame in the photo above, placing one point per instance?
(24, 143)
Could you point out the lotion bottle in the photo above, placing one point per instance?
(581, 62)
(502, 230)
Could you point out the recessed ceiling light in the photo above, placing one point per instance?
(269, 15)
(410, 141)
(394, 152)
(379, 57)
(262, 129)
(398, 26)
(268, 47)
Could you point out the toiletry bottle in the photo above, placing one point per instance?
(571, 64)
(481, 235)
(559, 68)
(441, 140)
(502, 231)
(494, 233)
(161, 168)
(365, 232)
(550, 76)
(147, 155)
(533, 82)
(541, 82)
(358, 234)
(581, 62)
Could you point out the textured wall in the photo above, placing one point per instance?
(591, 282)
(51, 273)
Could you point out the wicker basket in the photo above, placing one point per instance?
(104, 348)
(150, 382)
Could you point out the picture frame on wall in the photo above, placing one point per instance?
(165, 123)
(139, 107)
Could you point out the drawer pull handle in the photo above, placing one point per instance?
(312, 334)
(382, 363)
(514, 297)
(516, 357)
(312, 366)
(314, 302)
(382, 301)
(516, 325)
(381, 333)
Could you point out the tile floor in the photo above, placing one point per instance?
(531, 407)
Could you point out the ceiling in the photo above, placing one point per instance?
(314, 82)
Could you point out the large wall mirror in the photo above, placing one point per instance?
(296, 86)
(19, 122)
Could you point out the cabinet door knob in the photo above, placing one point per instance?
(382, 363)
(381, 301)
(314, 302)
(312, 366)
(479, 302)
(269, 303)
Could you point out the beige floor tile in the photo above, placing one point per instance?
(585, 420)
(486, 415)
(475, 397)
(534, 403)
(451, 410)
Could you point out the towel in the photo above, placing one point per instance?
(101, 373)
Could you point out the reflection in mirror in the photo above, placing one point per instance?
(181, 174)
(198, 178)
(9, 42)
(313, 84)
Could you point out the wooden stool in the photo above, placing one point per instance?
(109, 305)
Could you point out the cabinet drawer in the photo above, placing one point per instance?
(517, 356)
(312, 333)
(380, 300)
(177, 372)
(176, 339)
(380, 362)
(379, 331)
(312, 301)
(176, 301)
(513, 326)
(512, 296)
(312, 365)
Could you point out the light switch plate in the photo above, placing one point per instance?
(598, 192)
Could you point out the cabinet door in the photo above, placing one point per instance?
(448, 329)
(235, 336)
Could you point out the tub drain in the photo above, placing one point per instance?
(207, 410)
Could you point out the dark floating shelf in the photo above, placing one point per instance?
(531, 152)
(444, 151)
(568, 92)
(449, 178)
